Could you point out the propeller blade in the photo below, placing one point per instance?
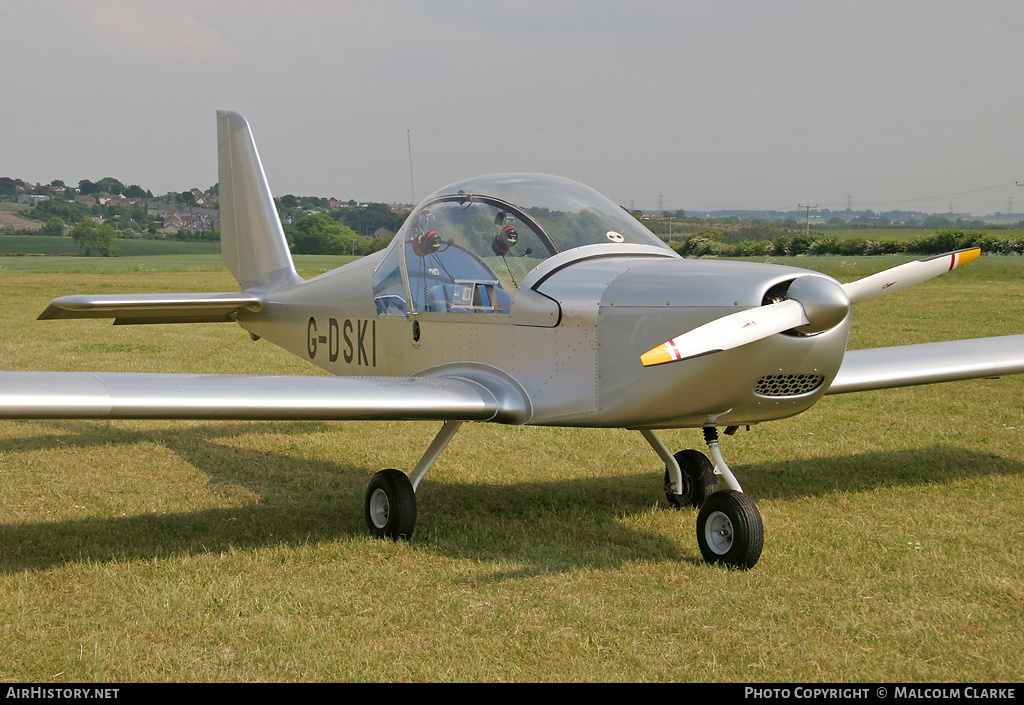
(729, 332)
(907, 275)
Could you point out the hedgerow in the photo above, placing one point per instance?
(710, 242)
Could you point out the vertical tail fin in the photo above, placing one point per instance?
(253, 244)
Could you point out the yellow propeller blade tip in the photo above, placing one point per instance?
(960, 258)
(656, 356)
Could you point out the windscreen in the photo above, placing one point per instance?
(489, 232)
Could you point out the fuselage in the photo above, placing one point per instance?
(571, 338)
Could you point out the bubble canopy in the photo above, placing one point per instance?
(480, 237)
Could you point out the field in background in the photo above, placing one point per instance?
(206, 551)
(10, 215)
(848, 268)
(308, 265)
(46, 245)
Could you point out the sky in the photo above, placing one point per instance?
(679, 104)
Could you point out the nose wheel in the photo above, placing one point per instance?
(729, 526)
(729, 530)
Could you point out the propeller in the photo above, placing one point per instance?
(729, 332)
(906, 275)
(811, 304)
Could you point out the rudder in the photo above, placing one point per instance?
(253, 244)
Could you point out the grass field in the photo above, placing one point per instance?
(206, 551)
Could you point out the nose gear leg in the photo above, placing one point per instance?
(721, 468)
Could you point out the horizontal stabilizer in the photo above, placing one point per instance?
(88, 395)
(153, 308)
(907, 365)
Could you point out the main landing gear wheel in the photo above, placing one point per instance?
(729, 530)
(390, 505)
(699, 480)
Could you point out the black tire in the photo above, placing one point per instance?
(699, 480)
(390, 505)
(729, 530)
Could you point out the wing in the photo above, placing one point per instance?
(128, 309)
(88, 395)
(907, 365)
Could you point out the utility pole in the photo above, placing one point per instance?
(808, 230)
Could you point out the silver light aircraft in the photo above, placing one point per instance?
(516, 299)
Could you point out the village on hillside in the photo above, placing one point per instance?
(194, 214)
(167, 214)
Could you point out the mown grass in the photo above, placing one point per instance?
(188, 551)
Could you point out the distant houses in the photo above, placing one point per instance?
(168, 216)
(189, 218)
(31, 198)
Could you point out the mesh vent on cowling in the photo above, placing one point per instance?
(787, 385)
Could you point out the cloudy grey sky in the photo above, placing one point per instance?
(694, 104)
